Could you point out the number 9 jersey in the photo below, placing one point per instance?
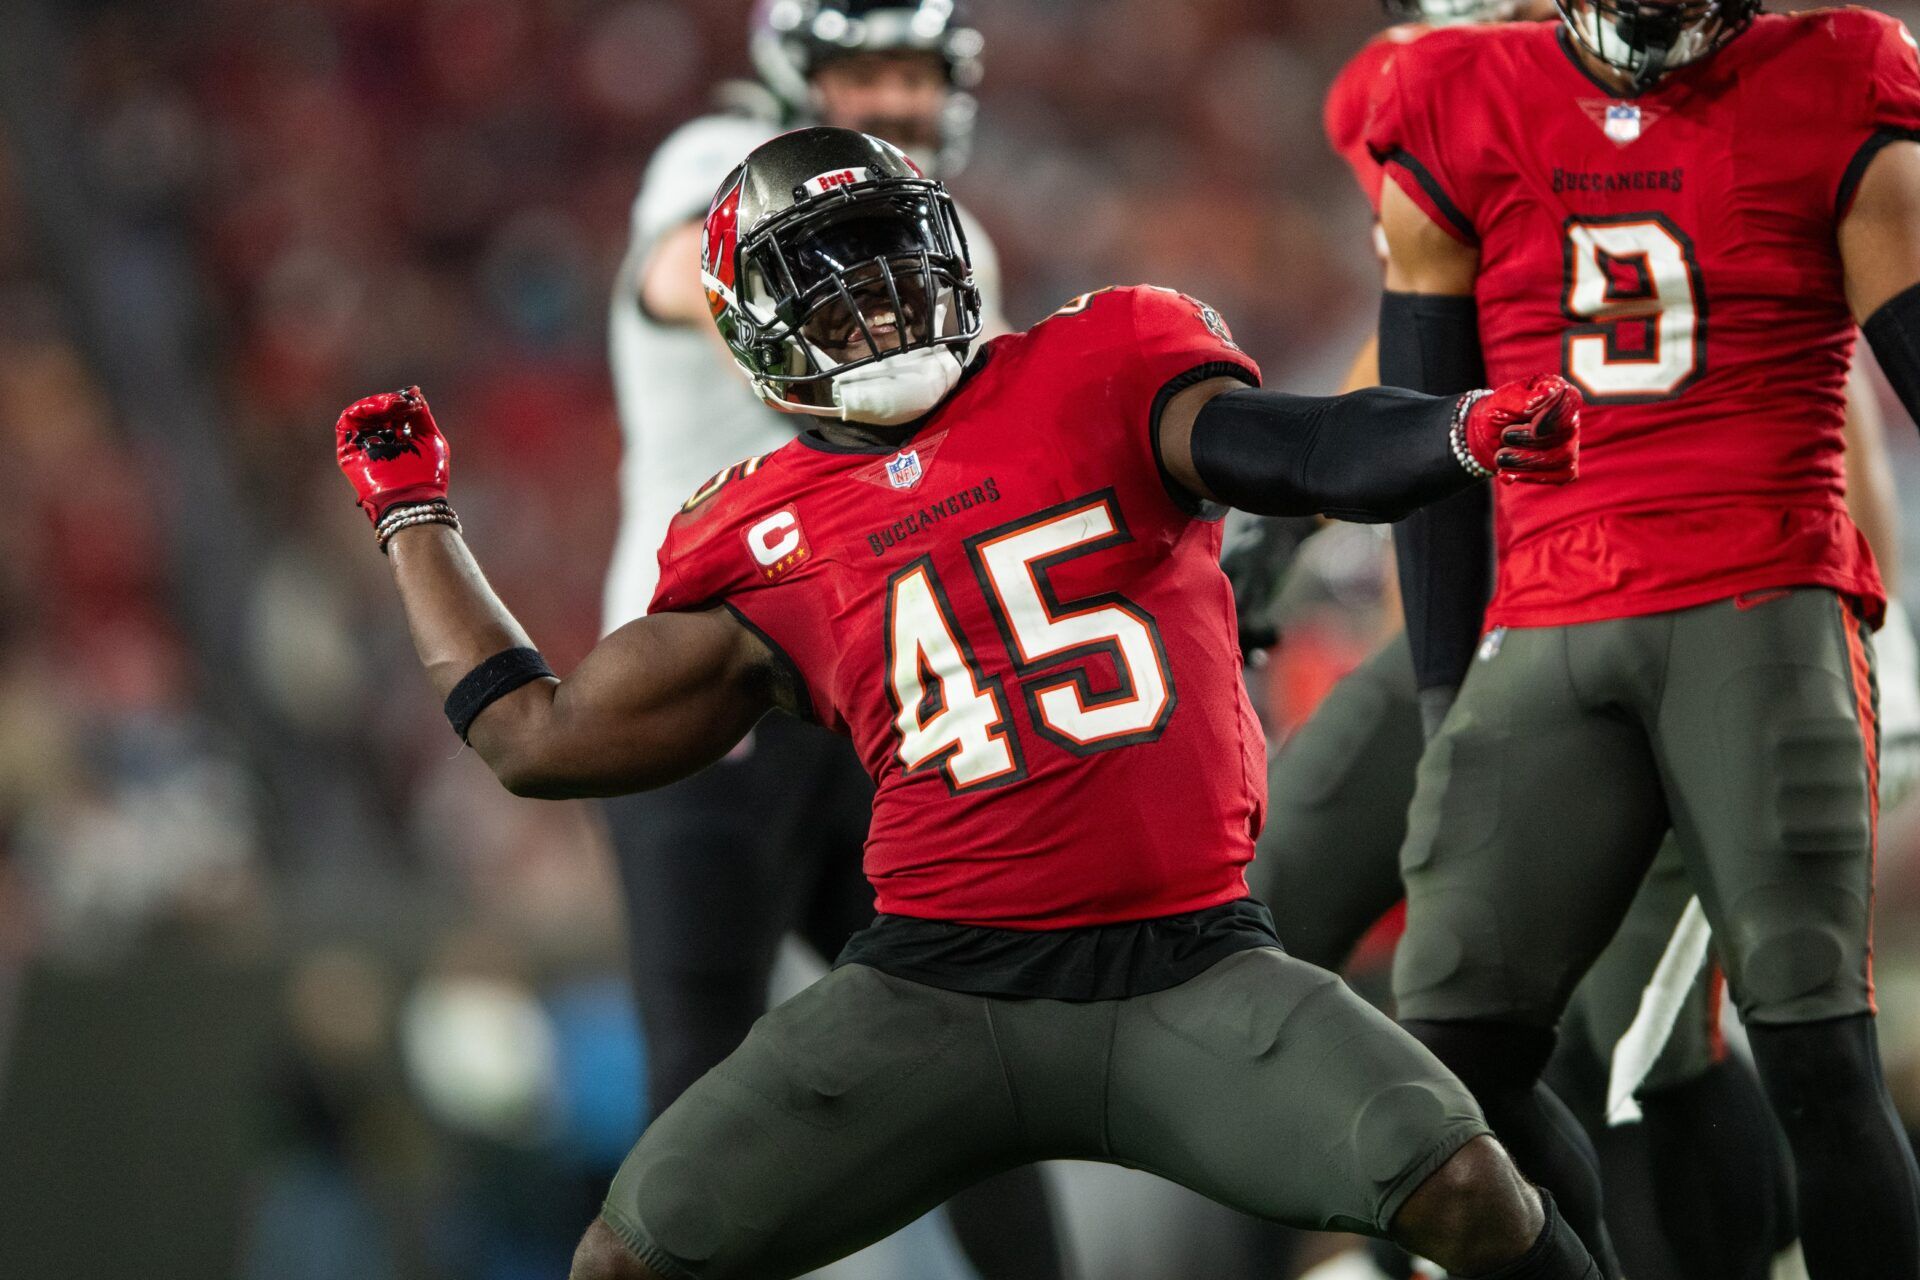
(1018, 620)
(1673, 255)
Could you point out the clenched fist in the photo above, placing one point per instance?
(1527, 432)
(391, 452)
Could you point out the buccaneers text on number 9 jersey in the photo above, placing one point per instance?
(1023, 629)
(1674, 256)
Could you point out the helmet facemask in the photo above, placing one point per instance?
(1446, 13)
(1646, 39)
(869, 274)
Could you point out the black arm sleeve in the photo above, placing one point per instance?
(1445, 551)
(1894, 334)
(1371, 456)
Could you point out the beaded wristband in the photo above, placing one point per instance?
(416, 513)
(1458, 436)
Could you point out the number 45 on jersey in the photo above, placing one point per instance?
(952, 712)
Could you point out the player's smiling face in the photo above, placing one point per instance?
(842, 335)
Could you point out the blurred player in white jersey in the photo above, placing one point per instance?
(720, 868)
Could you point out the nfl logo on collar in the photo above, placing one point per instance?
(1623, 123)
(903, 469)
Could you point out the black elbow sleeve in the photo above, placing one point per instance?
(1369, 457)
(1894, 334)
(1431, 343)
(1445, 554)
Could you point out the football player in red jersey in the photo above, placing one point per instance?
(1687, 212)
(1701, 1178)
(1001, 580)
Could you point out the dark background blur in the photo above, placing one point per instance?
(289, 987)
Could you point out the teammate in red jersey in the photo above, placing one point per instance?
(1002, 583)
(1686, 207)
(1694, 1190)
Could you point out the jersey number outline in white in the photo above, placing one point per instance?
(1666, 303)
(947, 711)
(1042, 632)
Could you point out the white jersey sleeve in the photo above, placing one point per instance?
(686, 412)
(986, 276)
(687, 169)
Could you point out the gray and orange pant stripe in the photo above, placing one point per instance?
(1747, 726)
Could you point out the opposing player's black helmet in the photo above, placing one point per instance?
(792, 39)
(1448, 12)
(1648, 38)
(815, 239)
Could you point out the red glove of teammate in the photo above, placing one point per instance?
(1528, 432)
(391, 451)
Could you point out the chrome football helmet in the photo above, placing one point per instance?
(1648, 38)
(828, 251)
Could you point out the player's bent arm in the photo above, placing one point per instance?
(659, 699)
(1871, 500)
(1422, 258)
(667, 280)
(1880, 253)
(1371, 456)
(1429, 340)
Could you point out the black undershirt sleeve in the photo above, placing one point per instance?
(1445, 551)
(1372, 456)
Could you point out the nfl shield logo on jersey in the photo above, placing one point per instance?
(903, 469)
(1623, 122)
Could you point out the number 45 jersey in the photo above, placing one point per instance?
(1673, 255)
(1022, 627)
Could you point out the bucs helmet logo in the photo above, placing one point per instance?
(720, 244)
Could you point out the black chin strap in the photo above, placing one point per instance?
(1654, 67)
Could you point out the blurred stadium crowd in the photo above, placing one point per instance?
(272, 951)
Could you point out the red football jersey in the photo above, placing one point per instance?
(1026, 635)
(1350, 105)
(1674, 256)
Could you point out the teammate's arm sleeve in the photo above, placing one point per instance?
(1879, 204)
(657, 700)
(1430, 341)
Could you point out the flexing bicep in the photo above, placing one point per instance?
(661, 698)
(1422, 258)
(1880, 236)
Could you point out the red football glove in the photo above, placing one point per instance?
(391, 451)
(1528, 432)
